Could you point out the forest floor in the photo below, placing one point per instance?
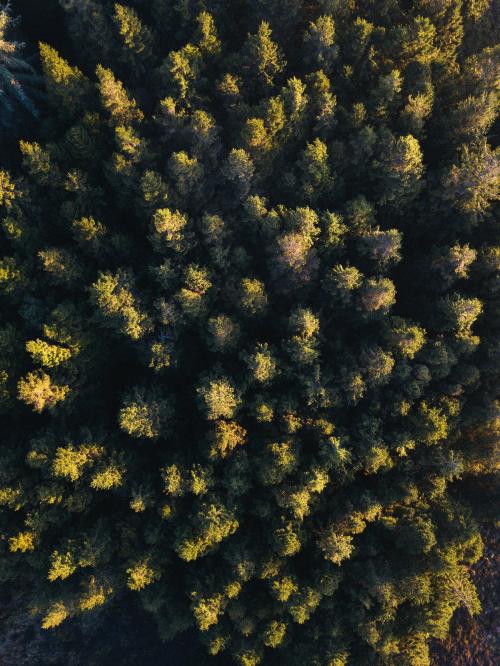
(121, 635)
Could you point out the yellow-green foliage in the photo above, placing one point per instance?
(62, 565)
(46, 354)
(122, 109)
(55, 616)
(7, 189)
(140, 575)
(219, 399)
(214, 524)
(66, 85)
(249, 323)
(39, 392)
(22, 542)
(114, 296)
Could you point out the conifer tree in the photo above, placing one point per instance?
(67, 88)
(19, 81)
(136, 37)
(249, 337)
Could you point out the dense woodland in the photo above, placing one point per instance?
(249, 319)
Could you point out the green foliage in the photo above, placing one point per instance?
(136, 37)
(320, 40)
(46, 354)
(263, 56)
(212, 523)
(218, 398)
(67, 88)
(122, 109)
(208, 41)
(7, 189)
(144, 416)
(39, 392)
(249, 339)
(140, 575)
(113, 295)
(474, 182)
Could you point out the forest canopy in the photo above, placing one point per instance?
(249, 319)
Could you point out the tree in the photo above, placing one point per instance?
(224, 333)
(136, 37)
(459, 313)
(473, 183)
(261, 364)
(144, 416)
(377, 295)
(316, 178)
(90, 27)
(238, 169)
(208, 41)
(39, 392)
(7, 189)
(400, 168)
(67, 88)
(382, 247)
(408, 339)
(169, 229)
(252, 297)
(113, 296)
(46, 354)
(19, 81)
(454, 263)
(218, 398)
(263, 58)
(183, 68)
(320, 40)
(122, 109)
(249, 338)
(187, 174)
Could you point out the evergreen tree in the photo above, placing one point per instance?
(19, 81)
(249, 337)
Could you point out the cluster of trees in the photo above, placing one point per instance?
(249, 284)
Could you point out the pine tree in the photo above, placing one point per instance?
(263, 58)
(249, 338)
(67, 88)
(19, 82)
(122, 109)
(136, 37)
